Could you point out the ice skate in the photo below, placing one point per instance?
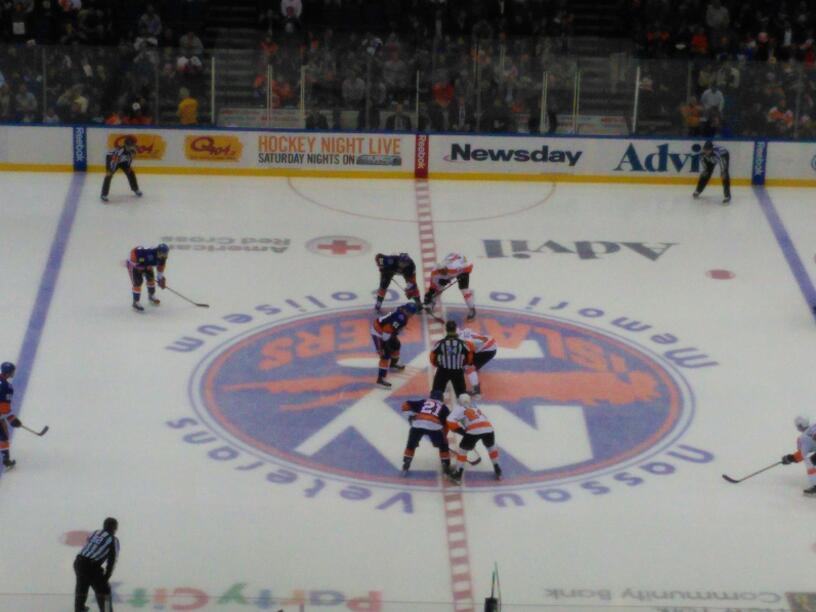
(811, 492)
(154, 300)
(137, 307)
(383, 383)
(8, 464)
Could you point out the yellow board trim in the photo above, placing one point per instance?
(579, 178)
(790, 182)
(222, 171)
(10, 167)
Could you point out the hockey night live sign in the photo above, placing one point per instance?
(573, 405)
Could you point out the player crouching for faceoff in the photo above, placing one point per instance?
(7, 417)
(120, 158)
(806, 451)
(140, 268)
(712, 157)
(467, 420)
(391, 265)
(454, 266)
(384, 331)
(428, 418)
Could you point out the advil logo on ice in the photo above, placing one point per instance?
(566, 400)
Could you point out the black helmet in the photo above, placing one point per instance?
(708, 145)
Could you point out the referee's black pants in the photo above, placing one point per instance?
(708, 170)
(443, 376)
(91, 575)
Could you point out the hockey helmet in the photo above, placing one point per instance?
(163, 250)
(7, 368)
(379, 259)
(410, 308)
(464, 400)
(436, 394)
(802, 423)
(708, 145)
(130, 142)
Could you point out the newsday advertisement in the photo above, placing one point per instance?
(493, 156)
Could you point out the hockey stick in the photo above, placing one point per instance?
(475, 461)
(735, 481)
(186, 299)
(429, 307)
(36, 433)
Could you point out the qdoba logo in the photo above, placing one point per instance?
(148, 146)
(578, 410)
(213, 148)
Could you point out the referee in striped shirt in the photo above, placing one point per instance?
(101, 548)
(450, 356)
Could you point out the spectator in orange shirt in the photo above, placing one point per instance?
(699, 42)
(691, 112)
(187, 108)
(780, 118)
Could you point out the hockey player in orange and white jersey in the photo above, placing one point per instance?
(484, 349)
(806, 451)
(453, 267)
(467, 420)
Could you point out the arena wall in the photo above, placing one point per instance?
(381, 155)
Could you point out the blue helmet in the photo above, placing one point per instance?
(163, 249)
(7, 368)
(437, 395)
(410, 308)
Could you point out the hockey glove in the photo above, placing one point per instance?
(787, 459)
(429, 297)
(15, 422)
(162, 282)
(813, 458)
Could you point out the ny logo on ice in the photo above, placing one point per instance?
(565, 400)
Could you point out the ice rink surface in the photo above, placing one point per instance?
(648, 344)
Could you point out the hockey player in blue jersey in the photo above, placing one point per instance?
(428, 417)
(384, 331)
(390, 266)
(711, 157)
(7, 417)
(140, 268)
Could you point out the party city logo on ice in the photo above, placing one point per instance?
(584, 402)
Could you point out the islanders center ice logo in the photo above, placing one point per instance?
(569, 401)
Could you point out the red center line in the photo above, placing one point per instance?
(454, 503)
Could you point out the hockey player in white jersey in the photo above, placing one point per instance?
(484, 349)
(806, 451)
(453, 267)
(472, 424)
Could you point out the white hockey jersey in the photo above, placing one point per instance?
(481, 343)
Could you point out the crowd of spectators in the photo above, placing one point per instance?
(98, 61)
(745, 67)
(714, 67)
(477, 64)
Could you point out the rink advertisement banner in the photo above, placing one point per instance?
(791, 163)
(213, 148)
(26, 148)
(260, 152)
(341, 151)
(577, 159)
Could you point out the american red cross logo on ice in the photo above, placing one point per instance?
(338, 245)
(569, 401)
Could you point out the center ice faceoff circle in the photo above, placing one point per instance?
(567, 400)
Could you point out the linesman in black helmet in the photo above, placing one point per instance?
(121, 158)
(711, 157)
(101, 548)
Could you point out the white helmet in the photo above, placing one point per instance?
(802, 423)
(464, 400)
